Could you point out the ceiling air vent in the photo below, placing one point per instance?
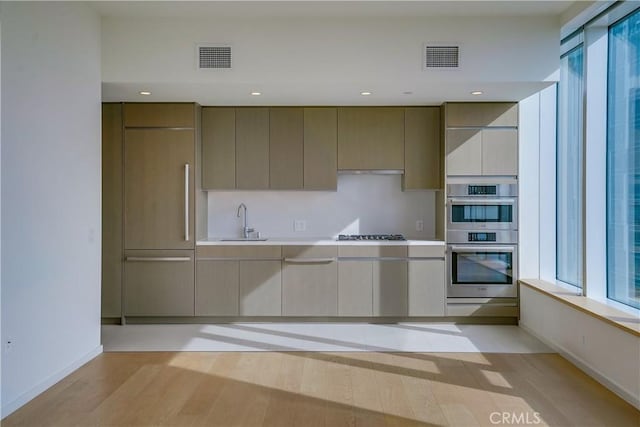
(214, 57)
(438, 57)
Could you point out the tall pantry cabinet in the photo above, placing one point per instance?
(157, 217)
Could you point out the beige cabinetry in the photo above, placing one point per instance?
(309, 281)
(482, 114)
(238, 280)
(112, 210)
(390, 287)
(286, 148)
(422, 152)
(355, 287)
(252, 148)
(218, 148)
(320, 148)
(482, 151)
(371, 138)
(158, 283)
(158, 188)
(427, 286)
(159, 115)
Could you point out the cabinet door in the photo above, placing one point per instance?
(158, 283)
(390, 294)
(427, 287)
(217, 288)
(260, 288)
(252, 148)
(163, 115)
(218, 148)
(481, 114)
(464, 152)
(355, 288)
(158, 206)
(286, 148)
(500, 152)
(370, 138)
(422, 149)
(320, 149)
(111, 210)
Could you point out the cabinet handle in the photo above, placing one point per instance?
(309, 260)
(158, 259)
(186, 202)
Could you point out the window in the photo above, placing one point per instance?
(623, 162)
(569, 169)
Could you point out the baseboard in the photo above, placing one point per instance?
(44, 385)
(589, 370)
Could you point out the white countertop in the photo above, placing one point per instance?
(320, 241)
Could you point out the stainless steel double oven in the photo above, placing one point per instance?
(482, 240)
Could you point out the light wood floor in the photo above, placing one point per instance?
(326, 389)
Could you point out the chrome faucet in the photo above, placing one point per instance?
(245, 228)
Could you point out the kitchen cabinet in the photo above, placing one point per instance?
(427, 287)
(320, 148)
(159, 115)
(159, 188)
(158, 283)
(111, 210)
(218, 148)
(422, 155)
(260, 288)
(390, 288)
(482, 114)
(252, 148)
(309, 281)
(355, 288)
(482, 151)
(217, 288)
(286, 146)
(371, 138)
(240, 280)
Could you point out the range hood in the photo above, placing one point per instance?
(370, 171)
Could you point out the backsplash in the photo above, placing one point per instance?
(363, 204)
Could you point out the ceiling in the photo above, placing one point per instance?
(403, 86)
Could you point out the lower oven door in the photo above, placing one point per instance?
(482, 271)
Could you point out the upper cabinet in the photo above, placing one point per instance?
(481, 139)
(279, 148)
(159, 115)
(371, 138)
(482, 114)
(422, 151)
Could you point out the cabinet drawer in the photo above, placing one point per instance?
(159, 115)
(309, 251)
(436, 251)
(239, 252)
(373, 251)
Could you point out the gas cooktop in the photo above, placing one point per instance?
(371, 237)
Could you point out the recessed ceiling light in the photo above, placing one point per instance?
(365, 93)
(477, 92)
(254, 93)
(145, 92)
(408, 92)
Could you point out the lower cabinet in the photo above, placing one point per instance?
(260, 288)
(158, 283)
(217, 287)
(309, 281)
(390, 288)
(355, 288)
(427, 287)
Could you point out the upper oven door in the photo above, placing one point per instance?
(482, 214)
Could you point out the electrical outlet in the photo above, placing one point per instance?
(8, 346)
(299, 225)
(419, 225)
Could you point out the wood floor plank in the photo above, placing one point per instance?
(367, 389)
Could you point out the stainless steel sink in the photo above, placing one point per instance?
(242, 239)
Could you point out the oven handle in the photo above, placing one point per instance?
(483, 248)
(483, 201)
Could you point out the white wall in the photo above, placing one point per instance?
(363, 204)
(327, 60)
(603, 351)
(50, 194)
